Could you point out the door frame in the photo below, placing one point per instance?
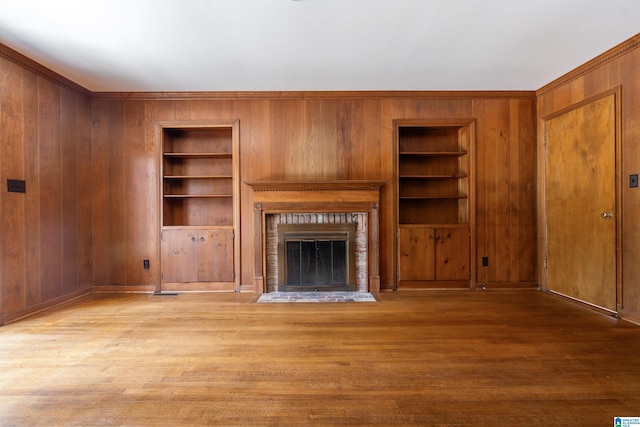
(543, 247)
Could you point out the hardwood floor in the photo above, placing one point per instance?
(460, 358)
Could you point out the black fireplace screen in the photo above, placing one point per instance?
(316, 263)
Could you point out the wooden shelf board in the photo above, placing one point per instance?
(197, 196)
(196, 227)
(198, 155)
(197, 177)
(433, 176)
(459, 196)
(434, 225)
(434, 153)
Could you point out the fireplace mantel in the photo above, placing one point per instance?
(342, 185)
(339, 196)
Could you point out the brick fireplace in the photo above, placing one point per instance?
(298, 230)
(327, 202)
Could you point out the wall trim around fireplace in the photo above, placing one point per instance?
(272, 197)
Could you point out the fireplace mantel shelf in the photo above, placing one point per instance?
(336, 185)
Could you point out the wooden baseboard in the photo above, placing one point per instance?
(199, 287)
(506, 285)
(114, 289)
(45, 305)
(433, 284)
(374, 283)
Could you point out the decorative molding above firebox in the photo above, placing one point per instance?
(351, 185)
(347, 196)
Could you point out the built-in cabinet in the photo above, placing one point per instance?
(433, 182)
(200, 205)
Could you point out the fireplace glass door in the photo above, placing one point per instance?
(316, 263)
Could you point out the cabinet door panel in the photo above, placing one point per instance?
(452, 254)
(417, 253)
(215, 255)
(178, 256)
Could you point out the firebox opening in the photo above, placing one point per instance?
(316, 257)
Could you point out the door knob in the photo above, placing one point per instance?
(606, 215)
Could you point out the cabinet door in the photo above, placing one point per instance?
(179, 256)
(452, 254)
(417, 253)
(215, 255)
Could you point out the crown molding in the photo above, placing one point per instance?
(16, 57)
(303, 95)
(600, 60)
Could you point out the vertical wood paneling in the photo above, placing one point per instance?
(306, 138)
(527, 219)
(311, 138)
(100, 189)
(255, 161)
(630, 80)
(317, 150)
(560, 99)
(370, 149)
(453, 108)
(69, 182)
(32, 177)
(152, 155)
(247, 141)
(84, 189)
(50, 190)
(577, 90)
(497, 192)
(350, 132)
(224, 110)
(13, 206)
(514, 191)
(3, 66)
(45, 230)
(482, 191)
(117, 154)
(597, 81)
(136, 181)
(183, 110)
(301, 157)
(491, 167)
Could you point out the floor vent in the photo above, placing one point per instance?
(165, 294)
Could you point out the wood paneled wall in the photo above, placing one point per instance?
(310, 136)
(91, 162)
(45, 237)
(617, 68)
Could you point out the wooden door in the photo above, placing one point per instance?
(580, 193)
(215, 261)
(417, 253)
(179, 256)
(452, 254)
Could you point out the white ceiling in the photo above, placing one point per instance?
(283, 45)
